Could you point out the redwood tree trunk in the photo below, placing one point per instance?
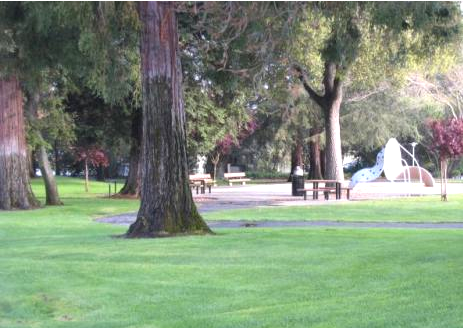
(167, 206)
(132, 183)
(315, 171)
(15, 190)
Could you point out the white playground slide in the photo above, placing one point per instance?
(389, 160)
(395, 170)
(370, 173)
(413, 173)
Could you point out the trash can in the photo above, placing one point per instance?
(298, 181)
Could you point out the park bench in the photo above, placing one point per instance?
(236, 177)
(201, 181)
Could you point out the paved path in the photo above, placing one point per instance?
(128, 218)
(251, 196)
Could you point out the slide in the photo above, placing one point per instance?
(426, 177)
(389, 160)
(370, 173)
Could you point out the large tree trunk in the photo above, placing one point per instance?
(167, 206)
(51, 189)
(132, 183)
(330, 103)
(333, 155)
(15, 189)
(315, 170)
(331, 108)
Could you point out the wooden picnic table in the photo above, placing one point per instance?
(316, 189)
(204, 180)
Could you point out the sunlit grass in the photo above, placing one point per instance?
(60, 268)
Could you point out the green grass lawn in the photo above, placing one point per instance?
(59, 268)
(408, 209)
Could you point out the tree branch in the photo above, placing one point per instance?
(302, 77)
(364, 96)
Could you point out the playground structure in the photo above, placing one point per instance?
(389, 160)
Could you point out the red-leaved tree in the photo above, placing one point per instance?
(447, 142)
(228, 142)
(93, 156)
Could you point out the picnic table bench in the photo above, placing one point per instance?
(201, 181)
(337, 189)
(236, 177)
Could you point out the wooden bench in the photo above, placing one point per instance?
(326, 191)
(201, 181)
(236, 177)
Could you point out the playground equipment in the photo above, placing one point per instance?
(389, 160)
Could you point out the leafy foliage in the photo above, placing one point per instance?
(447, 137)
(93, 155)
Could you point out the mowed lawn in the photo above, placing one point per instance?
(406, 209)
(59, 268)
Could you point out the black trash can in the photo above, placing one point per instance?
(297, 179)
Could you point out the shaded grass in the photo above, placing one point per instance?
(59, 268)
(410, 209)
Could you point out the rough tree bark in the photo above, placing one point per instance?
(132, 183)
(167, 206)
(330, 104)
(51, 189)
(15, 189)
(315, 170)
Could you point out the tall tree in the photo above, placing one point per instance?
(132, 183)
(401, 33)
(167, 205)
(15, 190)
(51, 188)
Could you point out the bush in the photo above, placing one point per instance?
(267, 175)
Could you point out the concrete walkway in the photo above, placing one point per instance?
(251, 196)
(127, 219)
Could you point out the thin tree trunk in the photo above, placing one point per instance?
(30, 163)
(167, 206)
(315, 170)
(443, 183)
(86, 175)
(15, 189)
(132, 183)
(56, 158)
(51, 189)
